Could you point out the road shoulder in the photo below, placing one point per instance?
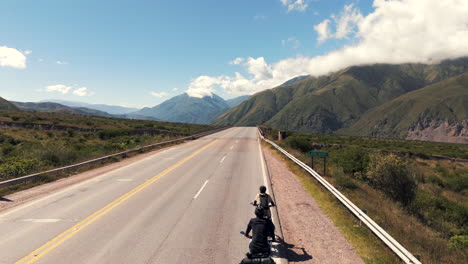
(309, 235)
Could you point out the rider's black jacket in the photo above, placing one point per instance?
(261, 229)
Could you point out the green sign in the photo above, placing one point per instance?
(317, 154)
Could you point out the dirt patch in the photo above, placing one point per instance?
(309, 235)
(439, 130)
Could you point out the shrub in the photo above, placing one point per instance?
(16, 166)
(71, 132)
(352, 159)
(392, 175)
(343, 180)
(7, 149)
(298, 142)
(434, 210)
(457, 181)
(436, 180)
(459, 243)
(111, 133)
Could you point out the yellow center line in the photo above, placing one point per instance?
(55, 242)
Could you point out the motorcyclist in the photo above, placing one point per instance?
(264, 200)
(261, 229)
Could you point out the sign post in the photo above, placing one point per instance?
(323, 155)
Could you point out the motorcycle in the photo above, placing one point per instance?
(258, 258)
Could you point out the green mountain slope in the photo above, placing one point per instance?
(437, 112)
(6, 105)
(329, 103)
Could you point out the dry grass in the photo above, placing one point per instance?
(366, 244)
(419, 239)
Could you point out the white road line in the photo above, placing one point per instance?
(223, 159)
(263, 166)
(231, 147)
(41, 220)
(124, 180)
(265, 180)
(201, 189)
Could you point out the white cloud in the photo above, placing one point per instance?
(346, 24)
(58, 88)
(259, 68)
(10, 57)
(395, 32)
(83, 91)
(175, 89)
(27, 52)
(291, 42)
(159, 94)
(323, 30)
(64, 89)
(237, 61)
(61, 62)
(299, 5)
(203, 86)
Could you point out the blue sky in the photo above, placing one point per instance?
(140, 53)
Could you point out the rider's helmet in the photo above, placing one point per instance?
(262, 189)
(259, 212)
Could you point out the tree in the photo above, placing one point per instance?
(393, 176)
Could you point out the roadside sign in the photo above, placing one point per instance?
(323, 155)
(317, 154)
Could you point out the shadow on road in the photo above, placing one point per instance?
(5, 200)
(291, 254)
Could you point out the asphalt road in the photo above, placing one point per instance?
(186, 204)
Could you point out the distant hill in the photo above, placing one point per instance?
(236, 101)
(111, 109)
(59, 108)
(186, 109)
(334, 102)
(6, 105)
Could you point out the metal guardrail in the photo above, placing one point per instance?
(101, 159)
(396, 247)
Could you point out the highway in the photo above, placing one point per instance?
(184, 204)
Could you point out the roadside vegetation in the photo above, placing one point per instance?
(417, 191)
(26, 147)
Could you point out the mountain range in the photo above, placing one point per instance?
(411, 101)
(181, 108)
(59, 108)
(186, 109)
